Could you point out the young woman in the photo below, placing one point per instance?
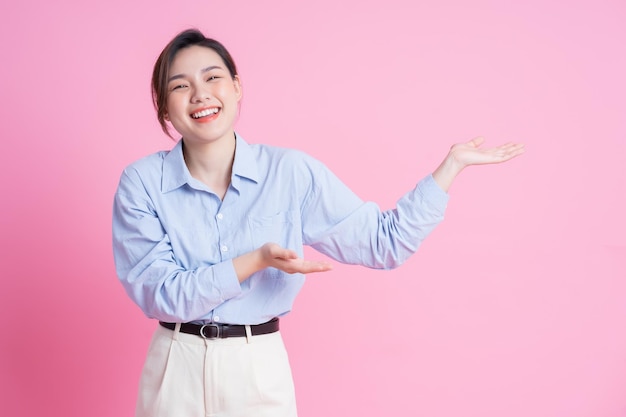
(208, 239)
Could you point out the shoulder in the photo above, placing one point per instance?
(286, 158)
(147, 171)
(147, 163)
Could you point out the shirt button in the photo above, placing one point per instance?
(220, 216)
(224, 248)
(216, 318)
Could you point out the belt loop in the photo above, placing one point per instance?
(248, 334)
(176, 331)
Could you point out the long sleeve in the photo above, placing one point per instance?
(340, 225)
(148, 268)
(174, 239)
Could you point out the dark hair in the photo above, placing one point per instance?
(160, 74)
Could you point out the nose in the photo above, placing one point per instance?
(200, 93)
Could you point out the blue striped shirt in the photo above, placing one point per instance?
(174, 239)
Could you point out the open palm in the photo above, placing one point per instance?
(470, 153)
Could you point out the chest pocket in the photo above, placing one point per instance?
(278, 228)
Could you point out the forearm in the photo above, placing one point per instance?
(446, 172)
(385, 239)
(247, 264)
(165, 291)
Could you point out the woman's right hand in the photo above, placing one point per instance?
(288, 261)
(275, 256)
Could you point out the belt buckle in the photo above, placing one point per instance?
(217, 331)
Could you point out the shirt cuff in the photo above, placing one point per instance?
(225, 277)
(432, 193)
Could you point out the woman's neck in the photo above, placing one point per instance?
(211, 163)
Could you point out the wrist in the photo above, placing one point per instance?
(452, 164)
(249, 263)
(447, 171)
(258, 258)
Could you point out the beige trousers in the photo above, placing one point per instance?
(187, 376)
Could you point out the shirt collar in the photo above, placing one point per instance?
(246, 164)
(176, 174)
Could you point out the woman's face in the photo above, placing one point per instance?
(202, 97)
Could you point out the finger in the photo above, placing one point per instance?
(512, 153)
(301, 266)
(511, 146)
(515, 148)
(518, 151)
(476, 142)
(506, 149)
(282, 253)
(289, 254)
(316, 266)
(507, 145)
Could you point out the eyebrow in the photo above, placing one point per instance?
(203, 70)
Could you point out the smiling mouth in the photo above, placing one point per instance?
(204, 113)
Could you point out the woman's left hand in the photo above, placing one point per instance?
(469, 153)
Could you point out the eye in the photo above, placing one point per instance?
(179, 86)
(212, 78)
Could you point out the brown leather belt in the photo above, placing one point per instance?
(222, 331)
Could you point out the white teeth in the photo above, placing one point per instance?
(204, 113)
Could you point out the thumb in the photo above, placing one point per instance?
(476, 142)
(287, 254)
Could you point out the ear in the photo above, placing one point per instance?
(166, 117)
(238, 87)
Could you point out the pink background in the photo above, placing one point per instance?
(515, 306)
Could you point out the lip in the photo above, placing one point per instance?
(206, 119)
